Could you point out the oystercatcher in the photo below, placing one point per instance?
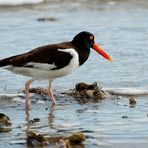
(53, 61)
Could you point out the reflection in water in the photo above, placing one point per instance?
(51, 118)
(56, 139)
(27, 113)
(28, 126)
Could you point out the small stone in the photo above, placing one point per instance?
(4, 120)
(81, 86)
(33, 121)
(92, 86)
(36, 120)
(46, 108)
(20, 126)
(77, 138)
(49, 19)
(132, 101)
(124, 117)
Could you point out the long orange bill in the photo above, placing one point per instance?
(98, 49)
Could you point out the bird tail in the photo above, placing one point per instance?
(5, 62)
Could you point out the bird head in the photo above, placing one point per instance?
(85, 40)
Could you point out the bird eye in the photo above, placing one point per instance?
(91, 37)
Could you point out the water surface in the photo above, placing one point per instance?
(121, 29)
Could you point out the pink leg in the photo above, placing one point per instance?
(50, 93)
(27, 85)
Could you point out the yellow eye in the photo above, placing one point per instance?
(91, 37)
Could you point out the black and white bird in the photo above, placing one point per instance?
(53, 61)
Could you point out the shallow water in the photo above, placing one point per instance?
(121, 28)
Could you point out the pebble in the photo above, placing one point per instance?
(132, 101)
(124, 117)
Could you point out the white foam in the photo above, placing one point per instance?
(19, 2)
(128, 91)
(18, 99)
(12, 95)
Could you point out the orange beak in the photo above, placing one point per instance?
(98, 49)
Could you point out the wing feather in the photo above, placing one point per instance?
(48, 55)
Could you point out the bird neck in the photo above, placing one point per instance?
(83, 52)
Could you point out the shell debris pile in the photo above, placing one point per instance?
(5, 123)
(75, 140)
(84, 92)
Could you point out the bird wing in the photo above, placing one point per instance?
(44, 57)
